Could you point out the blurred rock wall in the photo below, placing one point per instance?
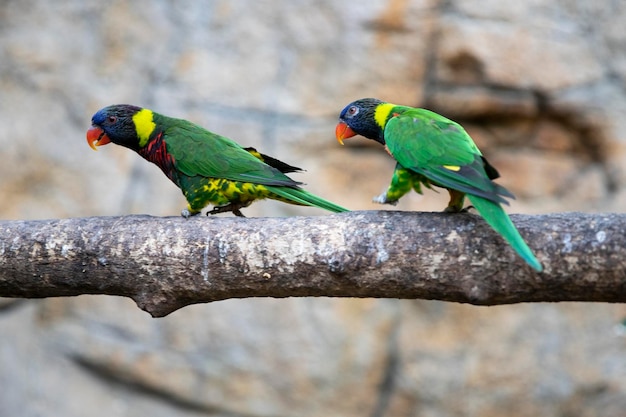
(539, 84)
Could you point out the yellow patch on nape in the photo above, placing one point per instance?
(452, 167)
(381, 114)
(144, 125)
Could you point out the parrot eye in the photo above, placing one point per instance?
(112, 119)
(353, 110)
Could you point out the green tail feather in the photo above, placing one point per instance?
(497, 218)
(305, 198)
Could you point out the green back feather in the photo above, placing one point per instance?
(442, 151)
(196, 151)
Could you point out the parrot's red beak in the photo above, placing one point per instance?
(96, 137)
(343, 131)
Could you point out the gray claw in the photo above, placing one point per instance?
(382, 199)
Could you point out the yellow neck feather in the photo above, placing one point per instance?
(144, 125)
(381, 114)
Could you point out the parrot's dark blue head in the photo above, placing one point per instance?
(117, 124)
(360, 118)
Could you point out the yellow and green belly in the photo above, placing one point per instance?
(405, 180)
(200, 192)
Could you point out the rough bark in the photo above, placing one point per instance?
(167, 263)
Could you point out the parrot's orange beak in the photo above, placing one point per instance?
(343, 131)
(96, 137)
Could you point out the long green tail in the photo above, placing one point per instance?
(305, 198)
(497, 218)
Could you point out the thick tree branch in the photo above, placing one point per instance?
(167, 263)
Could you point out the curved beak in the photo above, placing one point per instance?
(96, 137)
(343, 131)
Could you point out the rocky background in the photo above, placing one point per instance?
(539, 84)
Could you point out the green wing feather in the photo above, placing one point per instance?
(273, 162)
(442, 151)
(196, 151)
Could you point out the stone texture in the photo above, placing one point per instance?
(539, 84)
(247, 357)
(489, 372)
(516, 53)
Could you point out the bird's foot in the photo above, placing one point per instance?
(232, 207)
(452, 209)
(187, 214)
(382, 199)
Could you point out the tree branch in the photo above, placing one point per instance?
(167, 263)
